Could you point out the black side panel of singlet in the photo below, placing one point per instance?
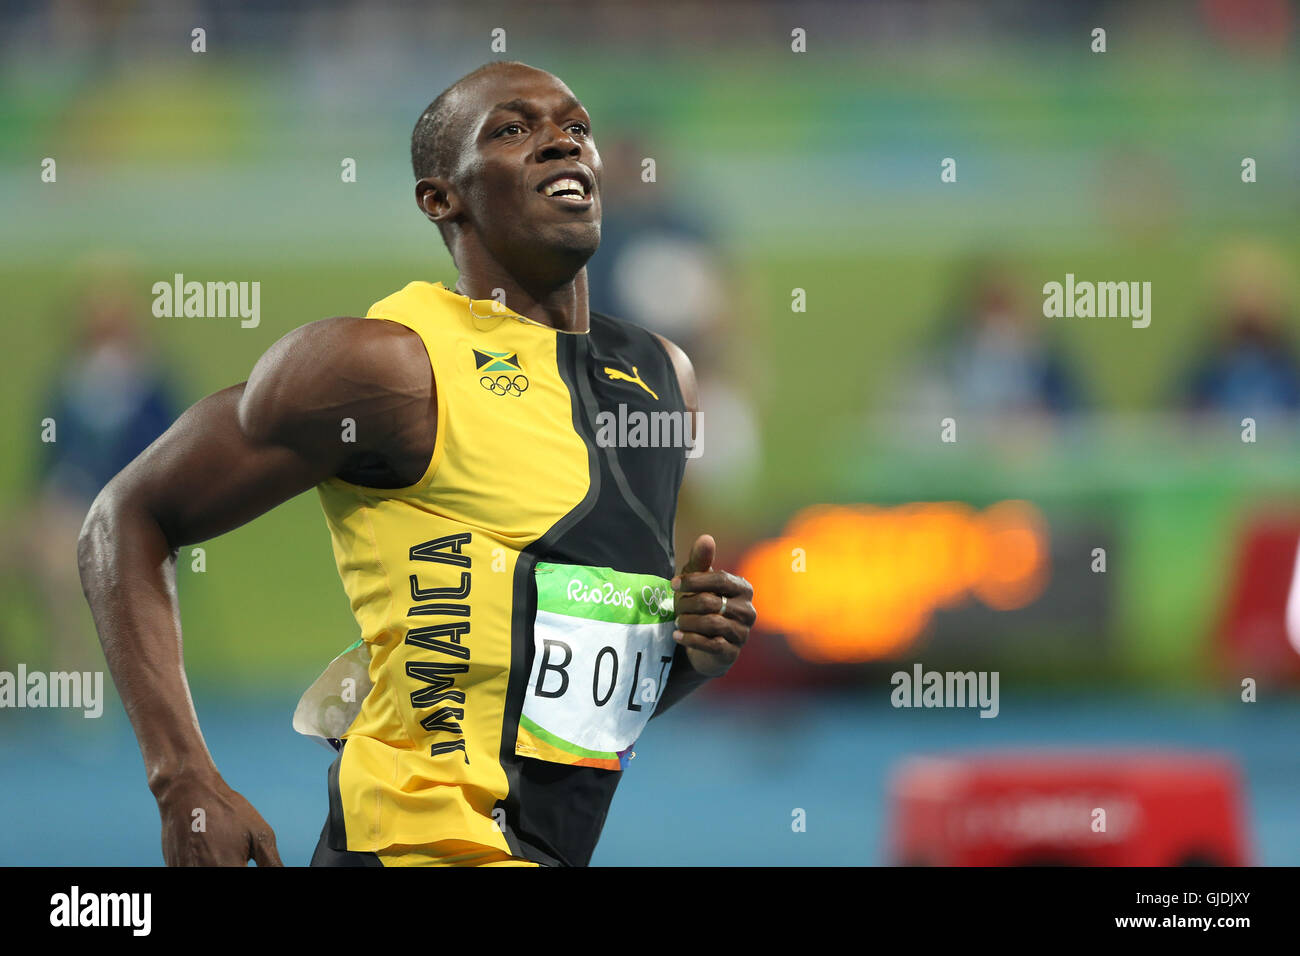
(555, 812)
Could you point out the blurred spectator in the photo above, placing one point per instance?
(108, 402)
(992, 358)
(659, 266)
(1250, 367)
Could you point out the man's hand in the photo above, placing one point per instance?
(714, 611)
(232, 831)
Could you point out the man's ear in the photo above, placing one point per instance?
(437, 199)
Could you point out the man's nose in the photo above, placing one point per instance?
(557, 143)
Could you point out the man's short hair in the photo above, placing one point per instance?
(435, 141)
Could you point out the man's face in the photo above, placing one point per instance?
(529, 173)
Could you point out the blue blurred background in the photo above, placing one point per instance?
(873, 544)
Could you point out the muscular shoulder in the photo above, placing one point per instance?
(685, 372)
(310, 380)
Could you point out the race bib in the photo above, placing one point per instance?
(602, 649)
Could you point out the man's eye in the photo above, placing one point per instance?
(580, 127)
(505, 130)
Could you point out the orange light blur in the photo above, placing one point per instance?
(857, 583)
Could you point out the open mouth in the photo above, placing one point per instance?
(571, 188)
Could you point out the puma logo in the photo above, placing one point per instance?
(635, 378)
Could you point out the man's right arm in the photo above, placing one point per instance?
(231, 457)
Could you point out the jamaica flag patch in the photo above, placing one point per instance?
(496, 361)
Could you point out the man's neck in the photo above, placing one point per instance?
(563, 307)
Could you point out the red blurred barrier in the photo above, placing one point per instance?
(1069, 809)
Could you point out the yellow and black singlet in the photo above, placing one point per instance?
(515, 618)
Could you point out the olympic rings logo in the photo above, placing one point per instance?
(657, 600)
(504, 384)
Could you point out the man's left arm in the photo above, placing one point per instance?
(714, 609)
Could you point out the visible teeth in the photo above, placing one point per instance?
(560, 185)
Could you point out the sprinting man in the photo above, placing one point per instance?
(512, 576)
